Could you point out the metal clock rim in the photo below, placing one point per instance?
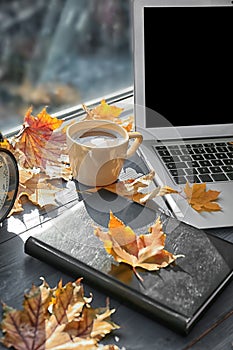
(15, 165)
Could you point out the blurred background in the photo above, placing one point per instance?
(60, 53)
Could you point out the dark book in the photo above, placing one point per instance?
(176, 295)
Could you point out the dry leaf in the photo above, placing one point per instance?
(38, 188)
(56, 319)
(4, 143)
(103, 111)
(145, 251)
(130, 188)
(109, 112)
(200, 199)
(34, 137)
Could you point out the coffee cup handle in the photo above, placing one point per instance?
(138, 140)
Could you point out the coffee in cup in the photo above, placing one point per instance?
(97, 150)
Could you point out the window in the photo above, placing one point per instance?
(61, 53)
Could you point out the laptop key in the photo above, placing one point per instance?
(215, 169)
(209, 156)
(175, 172)
(228, 161)
(230, 175)
(220, 155)
(175, 152)
(193, 179)
(209, 144)
(163, 153)
(180, 180)
(199, 150)
(170, 159)
(203, 170)
(205, 163)
(210, 150)
(191, 171)
(193, 164)
(160, 148)
(227, 168)
(186, 158)
(176, 165)
(205, 178)
(197, 157)
(217, 162)
(219, 177)
(221, 149)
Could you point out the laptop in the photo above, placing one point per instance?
(183, 102)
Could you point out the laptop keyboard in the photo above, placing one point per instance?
(198, 162)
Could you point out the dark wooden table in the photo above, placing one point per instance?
(18, 271)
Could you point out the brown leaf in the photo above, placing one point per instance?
(146, 251)
(200, 199)
(56, 319)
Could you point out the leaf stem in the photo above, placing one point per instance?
(137, 274)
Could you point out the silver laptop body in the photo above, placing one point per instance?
(183, 95)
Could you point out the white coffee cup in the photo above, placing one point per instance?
(97, 150)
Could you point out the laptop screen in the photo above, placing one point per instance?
(188, 65)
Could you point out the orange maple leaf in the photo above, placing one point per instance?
(145, 251)
(33, 138)
(200, 199)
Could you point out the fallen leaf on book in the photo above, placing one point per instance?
(145, 251)
(57, 319)
(200, 199)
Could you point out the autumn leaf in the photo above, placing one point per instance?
(36, 140)
(145, 251)
(131, 188)
(103, 111)
(4, 143)
(109, 112)
(56, 319)
(200, 199)
(39, 189)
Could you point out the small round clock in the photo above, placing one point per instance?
(9, 182)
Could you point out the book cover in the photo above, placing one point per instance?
(176, 295)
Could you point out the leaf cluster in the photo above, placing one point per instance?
(41, 151)
(59, 318)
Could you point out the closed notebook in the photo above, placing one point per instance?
(176, 295)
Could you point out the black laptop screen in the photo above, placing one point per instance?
(188, 64)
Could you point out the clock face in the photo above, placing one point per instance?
(9, 181)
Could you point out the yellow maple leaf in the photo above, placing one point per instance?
(145, 251)
(103, 111)
(200, 199)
